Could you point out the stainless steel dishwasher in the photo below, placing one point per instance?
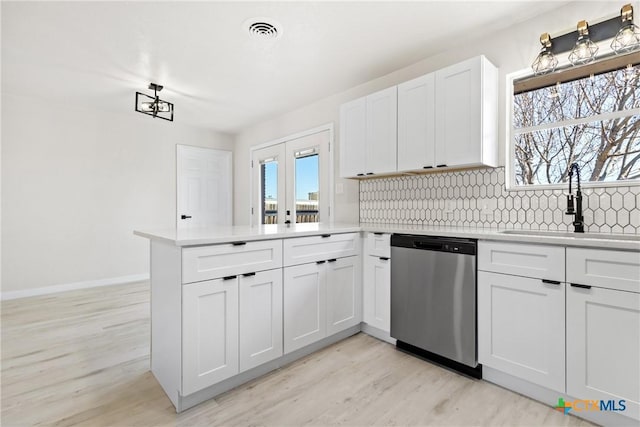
(433, 299)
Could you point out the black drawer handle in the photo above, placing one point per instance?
(360, 174)
(229, 277)
(578, 285)
(320, 262)
(550, 282)
(248, 274)
(324, 236)
(384, 258)
(332, 260)
(370, 173)
(238, 243)
(378, 234)
(441, 166)
(427, 167)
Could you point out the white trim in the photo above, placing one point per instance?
(322, 128)
(4, 296)
(572, 122)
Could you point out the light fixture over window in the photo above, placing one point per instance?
(153, 105)
(546, 61)
(585, 50)
(628, 38)
(582, 43)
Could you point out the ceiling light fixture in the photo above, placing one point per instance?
(585, 49)
(546, 61)
(628, 38)
(263, 28)
(153, 105)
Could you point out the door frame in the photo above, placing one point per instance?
(178, 170)
(323, 128)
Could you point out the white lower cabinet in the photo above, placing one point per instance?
(209, 333)
(377, 292)
(320, 299)
(305, 303)
(260, 318)
(344, 293)
(521, 327)
(603, 346)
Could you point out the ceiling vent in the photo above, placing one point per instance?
(263, 28)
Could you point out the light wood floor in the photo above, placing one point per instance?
(82, 358)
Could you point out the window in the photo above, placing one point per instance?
(592, 120)
(291, 179)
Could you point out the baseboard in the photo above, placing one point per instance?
(73, 286)
(377, 333)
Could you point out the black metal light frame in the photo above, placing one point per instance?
(154, 100)
(597, 32)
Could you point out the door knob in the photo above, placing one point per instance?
(185, 216)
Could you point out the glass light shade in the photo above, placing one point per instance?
(546, 62)
(583, 52)
(627, 40)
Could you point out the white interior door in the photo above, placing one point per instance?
(268, 176)
(204, 187)
(308, 178)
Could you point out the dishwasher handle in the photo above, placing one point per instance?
(427, 245)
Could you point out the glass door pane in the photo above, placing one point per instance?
(269, 193)
(307, 187)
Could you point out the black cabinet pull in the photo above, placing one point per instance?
(427, 167)
(360, 174)
(320, 262)
(441, 166)
(578, 285)
(384, 258)
(370, 173)
(332, 260)
(229, 277)
(248, 274)
(324, 236)
(238, 243)
(378, 234)
(185, 216)
(550, 282)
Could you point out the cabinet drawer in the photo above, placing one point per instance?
(302, 250)
(378, 244)
(211, 262)
(536, 261)
(605, 269)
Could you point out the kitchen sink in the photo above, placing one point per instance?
(604, 236)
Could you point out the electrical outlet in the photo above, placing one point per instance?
(488, 207)
(449, 206)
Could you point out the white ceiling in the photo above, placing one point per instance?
(97, 54)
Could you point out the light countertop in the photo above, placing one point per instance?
(209, 236)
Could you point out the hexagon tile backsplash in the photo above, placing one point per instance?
(478, 198)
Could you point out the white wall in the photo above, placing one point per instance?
(511, 50)
(76, 183)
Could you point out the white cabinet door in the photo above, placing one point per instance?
(304, 305)
(466, 114)
(353, 127)
(603, 346)
(209, 333)
(260, 318)
(521, 328)
(377, 292)
(381, 134)
(416, 123)
(344, 293)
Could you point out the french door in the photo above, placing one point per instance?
(291, 181)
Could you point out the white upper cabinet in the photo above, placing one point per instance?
(466, 114)
(447, 118)
(381, 135)
(416, 123)
(353, 127)
(368, 134)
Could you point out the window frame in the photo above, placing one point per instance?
(510, 135)
(329, 127)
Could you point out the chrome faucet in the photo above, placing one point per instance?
(576, 210)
